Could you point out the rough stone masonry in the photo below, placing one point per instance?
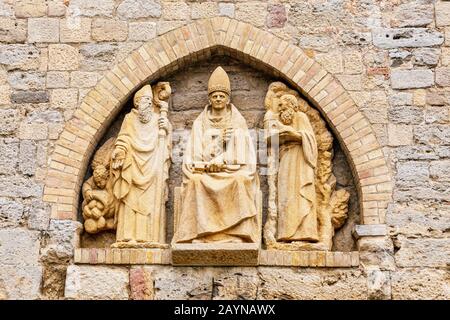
(393, 57)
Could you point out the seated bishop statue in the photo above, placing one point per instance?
(220, 182)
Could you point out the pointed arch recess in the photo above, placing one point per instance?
(177, 48)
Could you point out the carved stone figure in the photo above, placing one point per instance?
(98, 204)
(304, 207)
(140, 166)
(297, 217)
(220, 182)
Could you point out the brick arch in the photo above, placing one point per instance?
(182, 46)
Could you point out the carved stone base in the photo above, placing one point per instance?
(137, 245)
(298, 245)
(212, 254)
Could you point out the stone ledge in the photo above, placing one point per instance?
(309, 258)
(330, 259)
(369, 230)
(122, 256)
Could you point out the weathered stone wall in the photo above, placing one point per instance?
(392, 56)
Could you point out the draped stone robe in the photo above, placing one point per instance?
(297, 216)
(219, 207)
(135, 185)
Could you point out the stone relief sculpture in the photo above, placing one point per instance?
(98, 204)
(220, 182)
(304, 207)
(129, 186)
(219, 201)
(140, 166)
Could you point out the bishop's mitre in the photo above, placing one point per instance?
(219, 81)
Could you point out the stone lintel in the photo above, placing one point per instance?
(211, 254)
(217, 255)
(369, 230)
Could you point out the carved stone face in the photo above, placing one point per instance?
(276, 105)
(286, 116)
(219, 100)
(145, 102)
(145, 108)
(100, 176)
(287, 111)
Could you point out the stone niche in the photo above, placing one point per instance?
(189, 97)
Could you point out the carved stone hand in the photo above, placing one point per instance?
(216, 164)
(118, 156)
(215, 167)
(163, 123)
(89, 195)
(227, 134)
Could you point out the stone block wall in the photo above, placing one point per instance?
(393, 57)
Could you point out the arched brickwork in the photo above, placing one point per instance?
(189, 43)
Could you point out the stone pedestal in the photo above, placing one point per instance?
(215, 254)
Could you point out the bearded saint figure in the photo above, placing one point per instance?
(220, 182)
(140, 162)
(297, 209)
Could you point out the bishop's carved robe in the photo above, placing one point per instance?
(297, 216)
(135, 185)
(219, 207)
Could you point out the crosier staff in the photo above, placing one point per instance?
(161, 95)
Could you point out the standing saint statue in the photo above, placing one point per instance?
(140, 165)
(220, 181)
(304, 207)
(297, 216)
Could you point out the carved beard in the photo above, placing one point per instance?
(287, 116)
(145, 115)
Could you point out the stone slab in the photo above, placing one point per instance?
(20, 282)
(410, 79)
(208, 254)
(387, 38)
(19, 247)
(369, 230)
(96, 283)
